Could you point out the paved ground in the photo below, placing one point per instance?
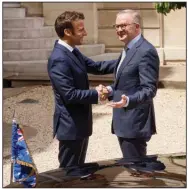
(36, 117)
(119, 176)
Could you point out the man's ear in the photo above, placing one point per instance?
(137, 26)
(67, 32)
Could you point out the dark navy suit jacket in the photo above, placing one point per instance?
(138, 79)
(73, 99)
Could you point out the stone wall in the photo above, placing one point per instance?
(33, 8)
(166, 33)
(175, 36)
(106, 18)
(52, 10)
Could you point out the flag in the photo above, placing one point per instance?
(23, 168)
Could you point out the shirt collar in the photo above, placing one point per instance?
(61, 42)
(133, 41)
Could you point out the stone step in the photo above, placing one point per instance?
(27, 22)
(19, 44)
(29, 33)
(169, 76)
(43, 54)
(33, 67)
(25, 67)
(105, 56)
(26, 55)
(92, 49)
(13, 12)
(11, 5)
(173, 76)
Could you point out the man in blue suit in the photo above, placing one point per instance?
(67, 69)
(135, 86)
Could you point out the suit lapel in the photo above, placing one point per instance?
(78, 63)
(128, 58)
(72, 56)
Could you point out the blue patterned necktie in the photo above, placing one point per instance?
(124, 53)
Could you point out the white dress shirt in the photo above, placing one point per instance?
(61, 42)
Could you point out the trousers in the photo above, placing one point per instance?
(72, 152)
(133, 147)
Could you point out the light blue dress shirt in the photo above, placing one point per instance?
(129, 46)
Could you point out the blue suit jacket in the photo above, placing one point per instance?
(73, 99)
(138, 79)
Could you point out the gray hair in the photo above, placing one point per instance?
(135, 15)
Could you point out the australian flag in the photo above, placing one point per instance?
(23, 168)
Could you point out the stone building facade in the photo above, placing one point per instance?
(166, 33)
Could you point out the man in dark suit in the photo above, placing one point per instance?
(135, 86)
(67, 69)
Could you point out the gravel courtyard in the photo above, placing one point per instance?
(36, 118)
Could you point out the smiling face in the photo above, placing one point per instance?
(75, 35)
(126, 28)
(79, 32)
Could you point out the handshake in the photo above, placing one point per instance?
(103, 92)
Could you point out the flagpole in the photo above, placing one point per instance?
(21, 158)
(11, 174)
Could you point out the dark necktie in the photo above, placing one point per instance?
(79, 57)
(77, 54)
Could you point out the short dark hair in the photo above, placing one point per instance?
(64, 21)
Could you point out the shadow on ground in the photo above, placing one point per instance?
(165, 72)
(97, 115)
(35, 146)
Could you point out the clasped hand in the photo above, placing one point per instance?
(103, 93)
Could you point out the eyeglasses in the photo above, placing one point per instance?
(122, 26)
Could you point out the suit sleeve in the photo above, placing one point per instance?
(62, 79)
(99, 67)
(148, 75)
